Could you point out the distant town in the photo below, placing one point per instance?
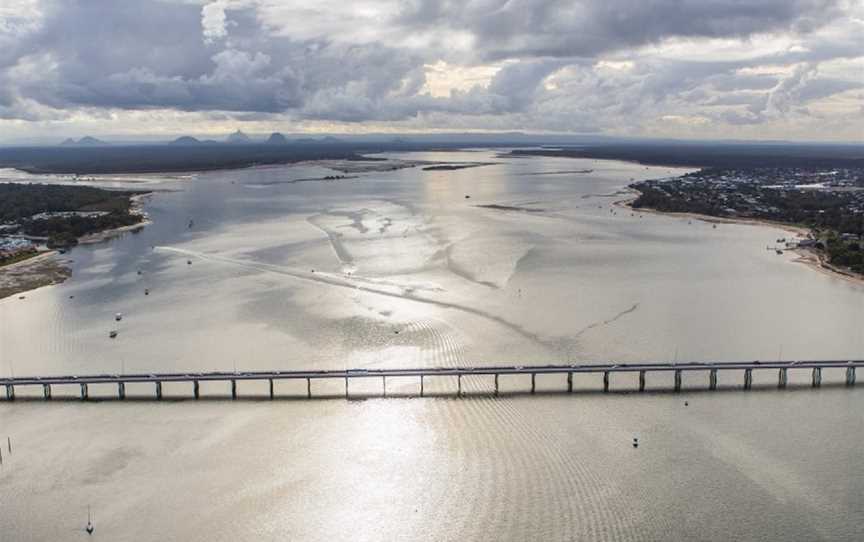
(828, 201)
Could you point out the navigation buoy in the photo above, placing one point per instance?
(89, 528)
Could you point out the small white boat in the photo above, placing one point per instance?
(112, 334)
(118, 316)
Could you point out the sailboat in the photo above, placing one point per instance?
(89, 528)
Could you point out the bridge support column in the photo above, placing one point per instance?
(748, 378)
(459, 385)
(533, 382)
(46, 391)
(346, 387)
(496, 384)
(10, 392)
(271, 388)
(196, 389)
(850, 376)
(605, 381)
(817, 377)
(712, 379)
(121, 390)
(641, 380)
(158, 390)
(782, 378)
(84, 394)
(421, 385)
(233, 389)
(309, 388)
(384, 386)
(677, 379)
(569, 382)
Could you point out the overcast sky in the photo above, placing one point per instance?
(790, 69)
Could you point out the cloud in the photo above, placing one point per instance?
(563, 65)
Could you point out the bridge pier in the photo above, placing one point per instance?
(159, 390)
(569, 382)
(533, 383)
(459, 385)
(496, 384)
(10, 392)
(84, 393)
(850, 376)
(782, 378)
(196, 390)
(346, 386)
(233, 389)
(817, 377)
(121, 390)
(605, 381)
(46, 391)
(384, 386)
(748, 378)
(421, 385)
(677, 380)
(309, 388)
(641, 380)
(712, 379)
(271, 388)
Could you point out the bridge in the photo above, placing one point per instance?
(47, 383)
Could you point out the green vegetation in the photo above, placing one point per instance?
(19, 256)
(845, 253)
(20, 202)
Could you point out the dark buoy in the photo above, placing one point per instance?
(686, 403)
(189, 262)
(467, 196)
(89, 528)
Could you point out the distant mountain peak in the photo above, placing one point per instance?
(238, 137)
(83, 142)
(277, 139)
(186, 140)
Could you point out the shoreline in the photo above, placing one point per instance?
(42, 269)
(31, 274)
(807, 256)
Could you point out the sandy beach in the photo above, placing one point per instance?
(44, 269)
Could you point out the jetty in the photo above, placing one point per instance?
(494, 372)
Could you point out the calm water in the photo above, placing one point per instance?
(323, 274)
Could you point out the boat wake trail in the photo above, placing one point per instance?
(615, 318)
(372, 286)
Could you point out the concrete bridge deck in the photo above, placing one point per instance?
(606, 369)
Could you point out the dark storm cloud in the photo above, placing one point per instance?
(518, 28)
